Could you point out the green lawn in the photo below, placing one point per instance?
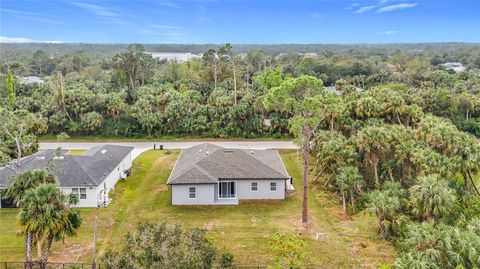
(77, 151)
(243, 230)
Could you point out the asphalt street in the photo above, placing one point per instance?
(143, 146)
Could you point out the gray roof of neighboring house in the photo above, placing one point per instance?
(208, 163)
(333, 89)
(31, 80)
(89, 169)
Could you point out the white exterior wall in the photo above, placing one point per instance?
(90, 201)
(244, 190)
(205, 194)
(97, 195)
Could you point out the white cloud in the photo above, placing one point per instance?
(350, 7)
(387, 32)
(396, 7)
(163, 30)
(103, 12)
(365, 9)
(53, 41)
(97, 9)
(6, 39)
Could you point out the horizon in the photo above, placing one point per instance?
(239, 22)
(247, 44)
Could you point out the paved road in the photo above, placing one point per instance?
(143, 146)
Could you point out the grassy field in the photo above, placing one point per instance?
(243, 230)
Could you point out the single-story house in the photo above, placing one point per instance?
(208, 174)
(91, 175)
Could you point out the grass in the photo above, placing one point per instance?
(83, 138)
(77, 151)
(244, 230)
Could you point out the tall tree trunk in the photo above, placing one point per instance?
(19, 155)
(305, 150)
(39, 248)
(344, 203)
(215, 73)
(390, 173)
(473, 182)
(352, 200)
(319, 173)
(28, 247)
(62, 94)
(375, 169)
(130, 81)
(234, 82)
(48, 246)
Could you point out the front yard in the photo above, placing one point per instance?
(243, 230)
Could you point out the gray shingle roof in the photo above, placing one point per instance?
(207, 163)
(89, 169)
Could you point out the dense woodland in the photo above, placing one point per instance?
(396, 139)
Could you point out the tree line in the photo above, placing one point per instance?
(382, 151)
(396, 137)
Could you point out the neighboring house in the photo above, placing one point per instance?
(455, 66)
(208, 174)
(31, 80)
(91, 175)
(174, 56)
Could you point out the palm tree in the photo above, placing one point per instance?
(431, 198)
(27, 180)
(45, 213)
(374, 142)
(348, 182)
(19, 185)
(385, 204)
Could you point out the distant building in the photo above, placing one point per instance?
(31, 80)
(331, 89)
(174, 56)
(455, 66)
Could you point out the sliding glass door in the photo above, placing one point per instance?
(227, 190)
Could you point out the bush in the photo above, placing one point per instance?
(163, 246)
(91, 121)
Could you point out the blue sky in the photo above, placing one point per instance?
(247, 22)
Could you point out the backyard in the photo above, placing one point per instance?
(244, 230)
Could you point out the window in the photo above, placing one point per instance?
(75, 191)
(254, 186)
(273, 186)
(83, 193)
(226, 190)
(192, 193)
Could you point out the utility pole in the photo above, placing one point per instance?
(94, 259)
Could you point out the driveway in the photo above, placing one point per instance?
(143, 146)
